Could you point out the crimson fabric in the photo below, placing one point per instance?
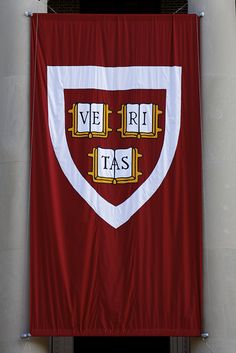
(145, 276)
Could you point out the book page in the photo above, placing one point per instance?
(145, 118)
(105, 163)
(83, 117)
(132, 117)
(123, 166)
(96, 116)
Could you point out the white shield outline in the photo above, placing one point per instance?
(114, 79)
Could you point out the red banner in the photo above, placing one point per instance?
(115, 175)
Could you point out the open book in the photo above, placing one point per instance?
(139, 120)
(115, 166)
(90, 120)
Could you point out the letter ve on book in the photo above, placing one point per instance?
(90, 120)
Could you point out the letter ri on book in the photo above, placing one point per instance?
(140, 120)
(115, 166)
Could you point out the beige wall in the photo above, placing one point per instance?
(218, 59)
(14, 170)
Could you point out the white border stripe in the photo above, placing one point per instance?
(113, 79)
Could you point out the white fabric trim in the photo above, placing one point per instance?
(114, 78)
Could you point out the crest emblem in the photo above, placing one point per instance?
(114, 128)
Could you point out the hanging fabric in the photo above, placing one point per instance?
(116, 194)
